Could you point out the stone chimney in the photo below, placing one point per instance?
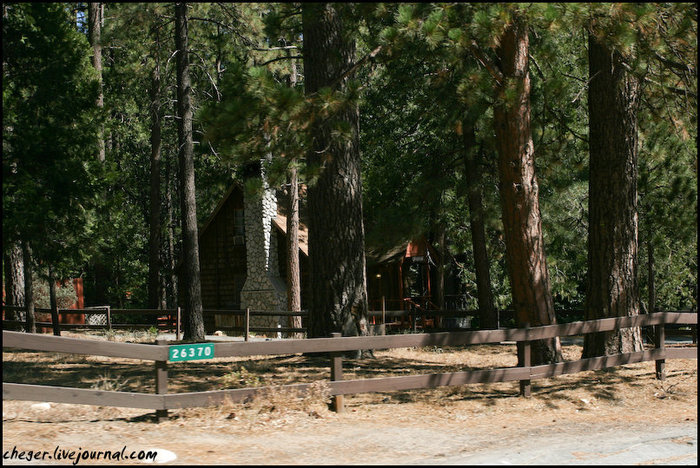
(264, 289)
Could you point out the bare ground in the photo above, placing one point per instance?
(444, 425)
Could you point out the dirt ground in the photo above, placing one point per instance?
(443, 425)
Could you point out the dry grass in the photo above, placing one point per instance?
(282, 426)
(613, 392)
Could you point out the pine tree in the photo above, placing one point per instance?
(336, 231)
(49, 138)
(527, 264)
(613, 97)
(190, 279)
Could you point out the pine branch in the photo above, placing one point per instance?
(235, 31)
(486, 63)
(673, 89)
(281, 58)
(265, 49)
(357, 65)
(211, 80)
(676, 65)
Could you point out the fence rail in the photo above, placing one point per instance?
(162, 401)
(174, 319)
(409, 318)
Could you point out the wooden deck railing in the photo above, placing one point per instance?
(162, 401)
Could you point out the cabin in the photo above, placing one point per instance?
(243, 251)
(242, 256)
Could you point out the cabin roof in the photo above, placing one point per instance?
(222, 202)
(407, 249)
(280, 222)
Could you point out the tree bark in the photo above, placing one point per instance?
(28, 288)
(53, 304)
(439, 288)
(293, 274)
(191, 285)
(650, 332)
(336, 231)
(293, 278)
(487, 312)
(650, 273)
(94, 17)
(154, 239)
(14, 279)
(172, 266)
(95, 12)
(612, 289)
(527, 267)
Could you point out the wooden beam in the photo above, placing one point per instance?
(337, 376)
(600, 362)
(60, 344)
(444, 338)
(80, 396)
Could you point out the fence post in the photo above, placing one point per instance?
(109, 317)
(247, 323)
(384, 310)
(660, 344)
(525, 357)
(177, 325)
(161, 383)
(336, 375)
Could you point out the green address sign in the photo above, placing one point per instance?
(191, 352)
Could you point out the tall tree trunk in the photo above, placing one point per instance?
(154, 239)
(192, 289)
(336, 231)
(172, 264)
(527, 267)
(53, 304)
(14, 279)
(28, 288)
(95, 12)
(439, 287)
(650, 273)
(487, 312)
(94, 17)
(293, 274)
(612, 289)
(650, 332)
(293, 278)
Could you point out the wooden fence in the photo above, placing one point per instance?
(162, 401)
(381, 321)
(173, 319)
(396, 319)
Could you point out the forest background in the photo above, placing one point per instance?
(90, 147)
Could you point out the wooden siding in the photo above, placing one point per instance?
(222, 264)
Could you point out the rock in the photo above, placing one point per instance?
(41, 406)
(163, 455)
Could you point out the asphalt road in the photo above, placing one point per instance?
(668, 445)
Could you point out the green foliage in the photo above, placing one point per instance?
(49, 134)
(558, 71)
(65, 293)
(416, 98)
(263, 116)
